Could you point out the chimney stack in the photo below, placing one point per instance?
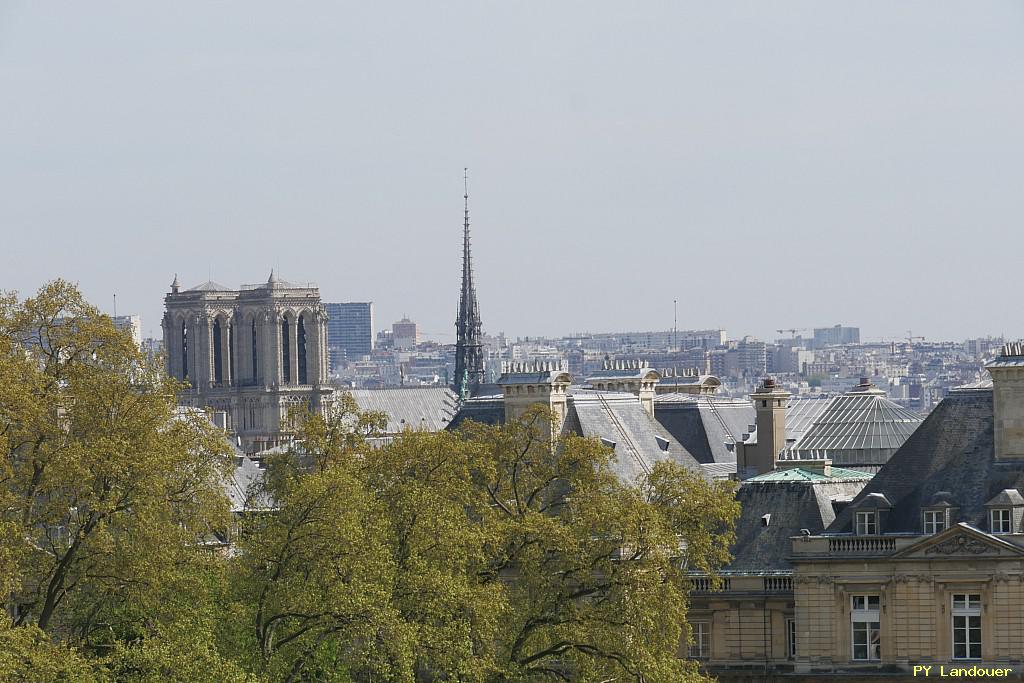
(1007, 372)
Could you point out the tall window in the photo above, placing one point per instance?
(184, 350)
(791, 638)
(966, 626)
(999, 521)
(700, 644)
(934, 521)
(301, 351)
(231, 353)
(867, 523)
(286, 356)
(218, 359)
(253, 350)
(865, 628)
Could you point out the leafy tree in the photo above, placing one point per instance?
(592, 565)
(104, 489)
(29, 656)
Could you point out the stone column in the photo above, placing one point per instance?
(293, 350)
(324, 361)
(206, 347)
(172, 352)
(271, 352)
(312, 327)
(225, 352)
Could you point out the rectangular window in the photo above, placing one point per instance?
(791, 638)
(999, 521)
(934, 521)
(867, 524)
(865, 628)
(966, 626)
(700, 643)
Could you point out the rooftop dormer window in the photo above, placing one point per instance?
(933, 521)
(1000, 520)
(870, 513)
(867, 523)
(1005, 512)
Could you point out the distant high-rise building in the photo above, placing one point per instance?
(837, 334)
(406, 335)
(349, 331)
(131, 323)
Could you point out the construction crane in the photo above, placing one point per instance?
(793, 330)
(910, 338)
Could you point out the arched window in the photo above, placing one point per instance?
(286, 356)
(301, 351)
(218, 359)
(254, 373)
(184, 350)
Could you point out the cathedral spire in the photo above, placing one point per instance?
(469, 358)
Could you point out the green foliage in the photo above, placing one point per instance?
(490, 554)
(27, 655)
(104, 490)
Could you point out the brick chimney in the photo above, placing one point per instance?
(1007, 372)
(770, 408)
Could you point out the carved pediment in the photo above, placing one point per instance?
(960, 541)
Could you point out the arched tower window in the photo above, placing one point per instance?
(301, 351)
(286, 356)
(254, 373)
(184, 350)
(218, 357)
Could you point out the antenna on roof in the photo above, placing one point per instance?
(675, 322)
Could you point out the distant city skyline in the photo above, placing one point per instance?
(768, 165)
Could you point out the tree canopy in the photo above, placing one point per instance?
(490, 553)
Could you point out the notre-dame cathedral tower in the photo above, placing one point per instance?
(254, 353)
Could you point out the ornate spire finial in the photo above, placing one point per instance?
(469, 360)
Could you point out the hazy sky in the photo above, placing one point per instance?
(769, 165)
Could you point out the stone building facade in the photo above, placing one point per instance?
(254, 353)
(921, 574)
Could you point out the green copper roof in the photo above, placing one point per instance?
(801, 474)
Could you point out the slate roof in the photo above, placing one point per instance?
(793, 505)
(239, 487)
(705, 424)
(616, 417)
(489, 410)
(428, 408)
(621, 419)
(953, 452)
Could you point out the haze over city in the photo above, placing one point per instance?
(862, 161)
